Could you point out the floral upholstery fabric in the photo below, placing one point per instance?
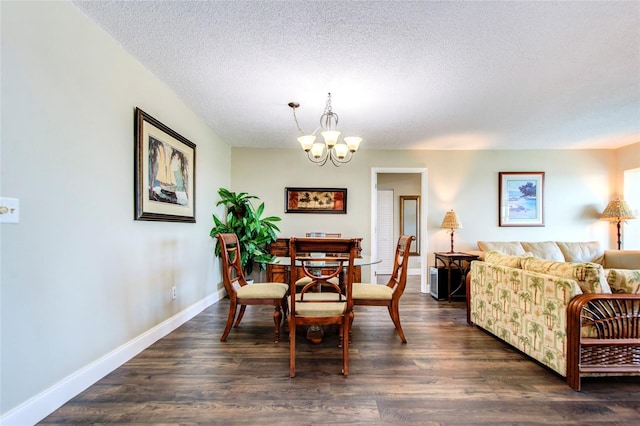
(499, 258)
(524, 308)
(590, 276)
(624, 280)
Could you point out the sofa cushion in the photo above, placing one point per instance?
(512, 247)
(582, 251)
(589, 276)
(621, 259)
(623, 280)
(548, 250)
(499, 258)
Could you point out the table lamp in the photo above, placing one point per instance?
(617, 211)
(451, 222)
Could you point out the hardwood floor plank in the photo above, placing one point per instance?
(447, 373)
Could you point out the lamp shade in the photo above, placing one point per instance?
(617, 210)
(451, 221)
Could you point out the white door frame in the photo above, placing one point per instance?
(423, 218)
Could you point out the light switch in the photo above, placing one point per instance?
(9, 210)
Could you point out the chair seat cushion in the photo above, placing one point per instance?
(372, 291)
(263, 291)
(315, 308)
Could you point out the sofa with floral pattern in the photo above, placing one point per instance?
(572, 315)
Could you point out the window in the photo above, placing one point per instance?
(631, 230)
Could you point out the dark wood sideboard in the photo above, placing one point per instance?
(280, 273)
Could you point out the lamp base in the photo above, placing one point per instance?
(451, 251)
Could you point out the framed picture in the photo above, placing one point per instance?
(315, 200)
(164, 172)
(521, 199)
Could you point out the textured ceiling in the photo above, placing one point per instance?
(403, 75)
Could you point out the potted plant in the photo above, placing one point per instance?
(254, 231)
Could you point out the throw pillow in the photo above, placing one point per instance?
(589, 276)
(544, 250)
(513, 248)
(624, 280)
(582, 252)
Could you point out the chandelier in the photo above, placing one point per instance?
(338, 152)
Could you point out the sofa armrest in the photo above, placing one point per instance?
(615, 348)
(621, 259)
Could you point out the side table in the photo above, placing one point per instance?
(455, 260)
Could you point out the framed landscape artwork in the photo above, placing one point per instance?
(521, 199)
(164, 172)
(315, 200)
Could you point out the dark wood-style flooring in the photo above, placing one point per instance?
(447, 373)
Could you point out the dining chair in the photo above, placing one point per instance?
(388, 295)
(241, 293)
(302, 281)
(333, 303)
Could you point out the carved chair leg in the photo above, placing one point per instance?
(277, 318)
(395, 317)
(285, 308)
(351, 317)
(292, 349)
(345, 347)
(232, 313)
(240, 315)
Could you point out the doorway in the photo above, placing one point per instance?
(421, 269)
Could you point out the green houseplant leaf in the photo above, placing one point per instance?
(254, 231)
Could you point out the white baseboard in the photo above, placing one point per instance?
(40, 406)
(414, 271)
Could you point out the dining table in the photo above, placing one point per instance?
(358, 261)
(315, 333)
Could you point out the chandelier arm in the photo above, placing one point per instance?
(321, 161)
(326, 120)
(338, 162)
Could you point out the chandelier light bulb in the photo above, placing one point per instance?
(353, 142)
(316, 150)
(330, 137)
(306, 142)
(341, 150)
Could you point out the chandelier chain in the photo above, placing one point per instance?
(295, 117)
(329, 119)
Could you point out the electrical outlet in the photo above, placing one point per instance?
(174, 292)
(9, 210)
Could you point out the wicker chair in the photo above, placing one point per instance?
(613, 346)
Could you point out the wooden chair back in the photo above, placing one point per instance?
(398, 279)
(232, 274)
(321, 301)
